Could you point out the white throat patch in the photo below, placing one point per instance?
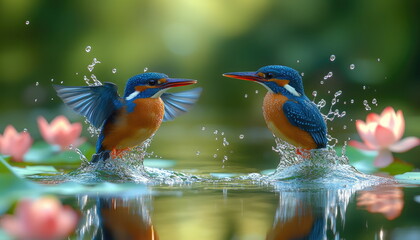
(291, 90)
(159, 93)
(132, 95)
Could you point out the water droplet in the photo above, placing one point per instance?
(215, 155)
(374, 101)
(114, 70)
(37, 84)
(52, 79)
(322, 82)
(203, 128)
(25, 130)
(298, 61)
(215, 132)
(88, 48)
(330, 74)
(197, 153)
(225, 142)
(332, 58)
(344, 127)
(302, 74)
(246, 95)
(352, 101)
(352, 66)
(367, 107)
(27, 22)
(256, 91)
(338, 93)
(364, 87)
(62, 82)
(52, 99)
(314, 93)
(225, 158)
(321, 103)
(36, 99)
(379, 59)
(77, 73)
(241, 136)
(222, 133)
(145, 69)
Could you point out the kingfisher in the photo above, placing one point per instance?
(288, 112)
(128, 121)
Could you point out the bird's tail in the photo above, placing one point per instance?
(101, 156)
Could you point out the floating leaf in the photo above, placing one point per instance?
(398, 167)
(31, 170)
(159, 163)
(44, 153)
(409, 177)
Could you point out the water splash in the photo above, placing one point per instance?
(91, 66)
(27, 22)
(127, 168)
(88, 48)
(92, 81)
(332, 58)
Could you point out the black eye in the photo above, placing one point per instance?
(269, 75)
(152, 82)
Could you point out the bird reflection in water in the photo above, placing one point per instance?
(311, 214)
(116, 218)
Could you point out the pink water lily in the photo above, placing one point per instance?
(45, 218)
(382, 133)
(15, 144)
(61, 132)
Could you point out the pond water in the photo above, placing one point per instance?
(203, 197)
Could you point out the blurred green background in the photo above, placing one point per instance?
(201, 39)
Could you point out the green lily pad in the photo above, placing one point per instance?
(361, 160)
(398, 167)
(224, 175)
(31, 170)
(42, 153)
(268, 171)
(159, 163)
(13, 187)
(409, 177)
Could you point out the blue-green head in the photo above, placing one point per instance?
(276, 78)
(152, 85)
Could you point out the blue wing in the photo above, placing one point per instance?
(96, 103)
(305, 115)
(179, 103)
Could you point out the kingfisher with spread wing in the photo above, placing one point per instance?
(288, 112)
(128, 121)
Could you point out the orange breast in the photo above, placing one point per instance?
(130, 129)
(280, 125)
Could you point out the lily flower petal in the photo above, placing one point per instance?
(61, 132)
(405, 144)
(384, 136)
(360, 145)
(383, 159)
